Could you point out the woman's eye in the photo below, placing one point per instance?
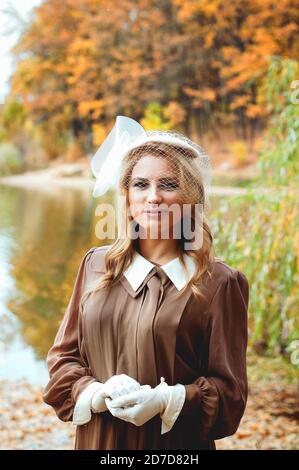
(139, 184)
(170, 186)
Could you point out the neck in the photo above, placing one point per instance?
(158, 251)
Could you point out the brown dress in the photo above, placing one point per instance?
(147, 334)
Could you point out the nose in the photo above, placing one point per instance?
(153, 195)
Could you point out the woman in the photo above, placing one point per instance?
(151, 352)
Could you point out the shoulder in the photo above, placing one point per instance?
(222, 272)
(225, 277)
(95, 258)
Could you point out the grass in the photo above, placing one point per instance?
(266, 368)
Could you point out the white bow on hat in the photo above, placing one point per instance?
(106, 162)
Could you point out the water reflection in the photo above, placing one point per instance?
(43, 237)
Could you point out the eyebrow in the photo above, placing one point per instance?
(164, 178)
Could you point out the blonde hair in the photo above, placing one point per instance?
(120, 254)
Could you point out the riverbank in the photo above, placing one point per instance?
(270, 420)
(78, 176)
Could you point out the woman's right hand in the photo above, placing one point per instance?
(116, 386)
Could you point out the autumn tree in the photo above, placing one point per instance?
(82, 62)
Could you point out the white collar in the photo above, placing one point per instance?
(140, 268)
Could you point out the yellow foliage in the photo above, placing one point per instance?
(240, 101)
(106, 61)
(208, 94)
(203, 94)
(253, 111)
(95, 107)
(99, 133)
(175, 113)
(239, 151)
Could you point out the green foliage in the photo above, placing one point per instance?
(279, 160)
(255, 233)
(264, 368)
(12, 119)
(11, 161)
(154, 117)
(258, 233)
(2, 133)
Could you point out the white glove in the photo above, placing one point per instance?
(119, 385)
(114, 387)
(140, 406)
(98, 404)
(82, 409)
(93, 396)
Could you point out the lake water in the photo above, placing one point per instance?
(43, 236)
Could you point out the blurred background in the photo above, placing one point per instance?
(224, 73)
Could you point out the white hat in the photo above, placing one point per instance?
(128, 134)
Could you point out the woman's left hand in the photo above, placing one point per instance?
(140, 406)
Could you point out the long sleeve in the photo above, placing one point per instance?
(217, 400)
(68, 369)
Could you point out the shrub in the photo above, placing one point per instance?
(11, 161)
